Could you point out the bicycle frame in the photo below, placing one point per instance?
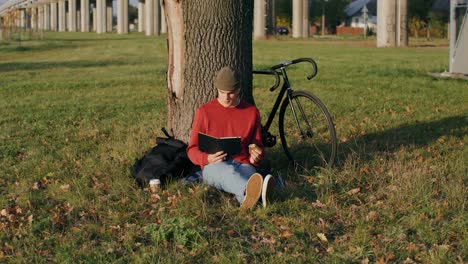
(286, 89)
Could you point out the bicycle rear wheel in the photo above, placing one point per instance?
(307, 132)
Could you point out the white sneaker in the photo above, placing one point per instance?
(268, 186)
(253, 191)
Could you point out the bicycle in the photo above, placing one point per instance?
(306, 127)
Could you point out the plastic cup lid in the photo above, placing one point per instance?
(154, 181)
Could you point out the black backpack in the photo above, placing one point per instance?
(168, 159)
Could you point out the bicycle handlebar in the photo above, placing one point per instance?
(287, 63)
(270, 73)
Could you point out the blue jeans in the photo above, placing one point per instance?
(229, 176)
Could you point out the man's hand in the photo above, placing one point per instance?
(216, 157)
(255, 154)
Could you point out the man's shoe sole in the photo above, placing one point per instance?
(253, 190)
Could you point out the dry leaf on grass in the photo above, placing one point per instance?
(65, 187)
(353, 191)
(286, 234)
(322, 237)
(318, 204)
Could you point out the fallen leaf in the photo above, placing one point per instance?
(353, 191)
(381, 260)
(318, 204)
(322, 237)
(372, 215)
(30, 219)
(412, 247)
(181, 247)
(365, 170)
(286, 234)
(390, 256)
(65, 187)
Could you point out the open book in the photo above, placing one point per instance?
(210, 144)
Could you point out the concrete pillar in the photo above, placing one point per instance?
(72, 15)
(163, 17)
(101, 16)
(392, 23)
(84, 5)
(259, 19)
(47, 17)
(22, 17)
(141, 16)
(94, 19)
(149, 25)
(34, 18)
(156, 18)
(122, 16)
(61, 16)
(40, 15)
(402, 23)
(453, 32)
(53, 16)
(17, 18)
(297, 18)
(386, 23)
(109, 16)
(305, 19)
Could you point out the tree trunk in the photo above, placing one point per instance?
(203, 37)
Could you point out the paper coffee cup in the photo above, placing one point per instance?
(155, 185)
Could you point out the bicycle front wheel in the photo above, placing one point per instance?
(307, 132)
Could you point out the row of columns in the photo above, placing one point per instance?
(54, 16)
(392, 26)
(264, 17)
(151, 17)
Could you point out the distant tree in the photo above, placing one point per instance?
(132, 13)
(333, 10)
(283, 10)
(421, 10)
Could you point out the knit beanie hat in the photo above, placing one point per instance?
(226, 79)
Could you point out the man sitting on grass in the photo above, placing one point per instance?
(230, 116)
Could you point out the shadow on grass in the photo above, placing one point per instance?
(26, 66)
(24, 46)
(367, 146)
(415, 135)
(99, 38)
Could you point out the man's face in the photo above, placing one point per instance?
(228, 98)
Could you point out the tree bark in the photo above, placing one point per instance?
(203, 37)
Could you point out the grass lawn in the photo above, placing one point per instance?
(77, 109)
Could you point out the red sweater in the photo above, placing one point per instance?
(216, 120)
